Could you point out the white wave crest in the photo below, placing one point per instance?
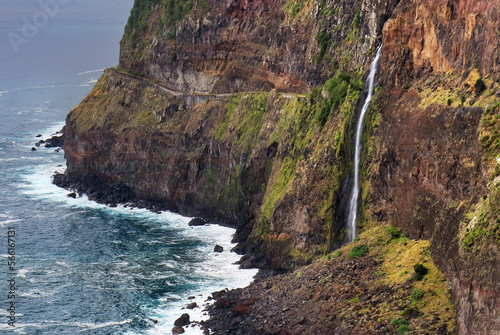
(91, 71)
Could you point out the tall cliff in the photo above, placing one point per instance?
(241, 112)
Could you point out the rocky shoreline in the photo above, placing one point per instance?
(116, 194)
(343, 293)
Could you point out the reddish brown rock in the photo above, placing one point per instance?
(240, 310)
(429, 35)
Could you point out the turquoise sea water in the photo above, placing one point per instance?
(81, 267)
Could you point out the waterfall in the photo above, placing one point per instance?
(353, 201)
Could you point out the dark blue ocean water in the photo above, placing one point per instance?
(84, 268)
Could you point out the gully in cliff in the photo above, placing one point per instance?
(353, 202)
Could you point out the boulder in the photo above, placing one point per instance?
(197, 222)
(55, 141)
(240, 310)
(218, 248)
(182, 321)
(192, 305)
(218, 294)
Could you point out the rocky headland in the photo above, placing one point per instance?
(242, 113)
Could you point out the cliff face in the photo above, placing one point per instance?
(171, 126)
(432, 171)
(235, 46)
(248, 159)
(427, 172)
(426, 36)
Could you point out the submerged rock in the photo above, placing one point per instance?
(178, 330)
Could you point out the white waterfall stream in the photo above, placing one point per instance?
(353, 201)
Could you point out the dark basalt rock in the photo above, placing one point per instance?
(182, 320)
(197, 222)
(192, 305)
(218, 248)
(54, 142)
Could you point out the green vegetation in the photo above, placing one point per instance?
(324, 40)
(231, 106)
(304, 122)
(416, 295)
(137, 21)
(490, 140)
(483, 222)
(245, 115)
(403, 329)
(462, 98)
(294, 7)
(283, 180)
(399, 322)
(175, 10)
(394, 232)
(479, 87)
(420, 271)
(205, 6)
(337, 89)
(358, 251)
(357, 19)
(486, 221)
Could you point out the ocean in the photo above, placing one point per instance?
(72, 266)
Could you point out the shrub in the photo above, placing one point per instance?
(205, 6)
(410, 312)
(420, 271)
(399, 322)
(416, 295)
(357, 19)
(479, 87)
(462, 97)
(394, 232)
(449, 101)
(296, 9)
(358, 251)
(323, 40)
(403, 329)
